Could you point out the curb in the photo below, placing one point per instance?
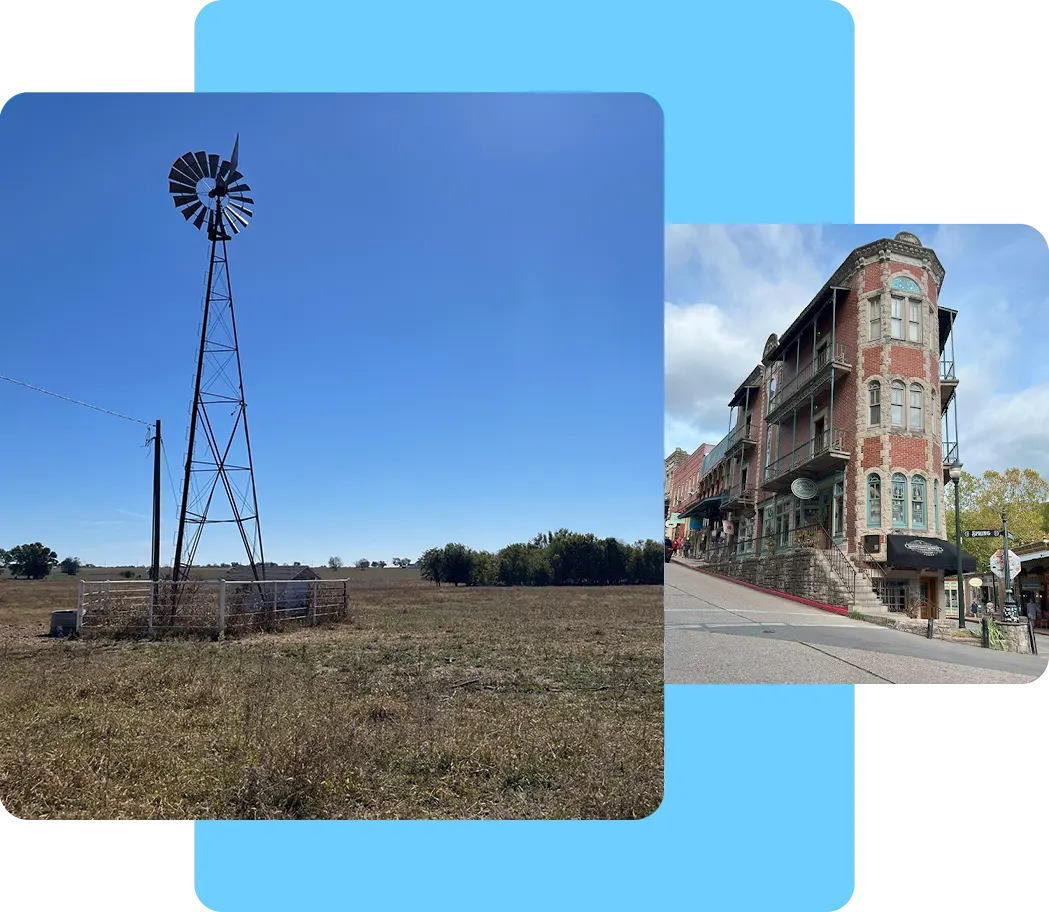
(834, 609)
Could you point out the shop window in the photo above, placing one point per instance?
(899, 501)
(874, 500)
(936, 505)
(918, 502)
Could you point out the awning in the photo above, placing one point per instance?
(673, 521)
(708, 506)
(920, 553)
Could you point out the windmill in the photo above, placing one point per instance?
(209, 192)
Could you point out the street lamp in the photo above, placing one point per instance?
(956, 474)
(1009, 610)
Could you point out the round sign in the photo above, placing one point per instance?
(976, 582)
(803, 489)
(998, 566)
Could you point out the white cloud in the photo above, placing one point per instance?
(729, 287)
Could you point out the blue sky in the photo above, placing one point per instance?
(448, 308)
(729, 287)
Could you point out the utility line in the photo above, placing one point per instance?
(76, 401)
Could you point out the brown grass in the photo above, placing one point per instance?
(429, 703)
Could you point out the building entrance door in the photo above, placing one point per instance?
(930, 608)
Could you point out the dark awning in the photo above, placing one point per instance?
(709, 506)
(920, 553)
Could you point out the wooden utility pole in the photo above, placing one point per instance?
(154, 570)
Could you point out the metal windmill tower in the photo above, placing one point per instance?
(218, 457)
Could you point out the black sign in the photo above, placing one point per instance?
(982, 533)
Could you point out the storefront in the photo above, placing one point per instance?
(1032, 586)
(915, 571)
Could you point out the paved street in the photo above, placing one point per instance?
(718, 632)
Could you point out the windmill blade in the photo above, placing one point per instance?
(232, 223)
(202, 162)
(235, 153)
(176, 187)
(181, 173)
(244, 199)
(232, 213)
(235, 176)
(186, 200)
(213, 165)
(224, 169)
(239, 188)
(241, 211)
(187, 213)
(191, 164)
(199, 220)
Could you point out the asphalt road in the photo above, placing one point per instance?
(718, 632)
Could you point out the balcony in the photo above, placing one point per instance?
(741, 495)
(948, 383)
(811, 378)
(739, 438)
(816, 458)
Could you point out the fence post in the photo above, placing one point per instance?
(222, 606)
(80, 597)
(345, 600)
(313, 604)
(104, 588)
(149, 611)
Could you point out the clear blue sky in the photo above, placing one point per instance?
(449, 310)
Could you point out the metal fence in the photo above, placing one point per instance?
(141, 607)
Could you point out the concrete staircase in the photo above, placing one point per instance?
(865, 601)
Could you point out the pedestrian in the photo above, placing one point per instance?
(1033, 609)
(974, 607)
(688, 547)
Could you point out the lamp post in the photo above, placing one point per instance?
(1009, 610)
(956, 475)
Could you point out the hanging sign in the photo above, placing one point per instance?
(803, 489)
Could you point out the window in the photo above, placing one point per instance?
(918, 502)
(897, 317)
(768, 452)
(783, 523)
(916, 408)
(874, 391)
(772, 392)
(839, 508)
(874, 501)
(902, 283)
(875, 316)
(892, 592)
(897, 404)
(936, 504)
(914, 321)
(899, 502)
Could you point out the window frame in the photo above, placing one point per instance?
(874, 518)
(874, 319)
(895, 321)
(898, 477)
(902, 388)
(873, 402)
(916, 391)
(914, 307)
(917, 483)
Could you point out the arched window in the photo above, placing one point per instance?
(916, 408)
(902, 283)
(899, 501)
(918, 515)
(874, 393)
(897, 403)
(874, 500)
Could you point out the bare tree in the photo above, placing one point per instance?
(334, 563)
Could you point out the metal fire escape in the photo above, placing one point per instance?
(948, 392)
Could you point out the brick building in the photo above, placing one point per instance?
(849, 408)
(670, 465)
(682, 486)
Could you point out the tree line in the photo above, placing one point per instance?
(561, 558)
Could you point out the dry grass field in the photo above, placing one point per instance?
(427, 703)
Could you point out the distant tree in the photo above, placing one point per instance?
(484, 568)
(402, 562)
(3, 558)
(334, 563)
(31, 561)
(70, 566)
(127, 574)
(363, 563)
(457, 563)
(431, 565)
(382, 565)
